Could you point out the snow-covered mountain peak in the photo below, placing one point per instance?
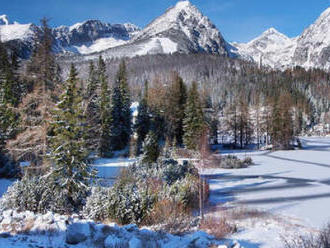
(271, 31)
(271, 37)
(271, 48)
(185, 25)
(4, 20)
(183, 4)
(172, 18)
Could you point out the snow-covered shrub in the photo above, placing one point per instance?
(24, 195)
(97, 204)
(247, 161)
(124, 202)
(172, 171)
(219, 227)
(321, 240)
(233, 162)
(185, 191)
(170, 216)
(130, 203)
(140, 187)
(38, 195)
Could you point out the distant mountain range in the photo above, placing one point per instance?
(183, 29)
(310, 50)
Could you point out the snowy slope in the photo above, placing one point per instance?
(271, 48)
(16, 31)
(313, 49)
(18, 36)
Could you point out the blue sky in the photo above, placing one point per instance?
(238, 20)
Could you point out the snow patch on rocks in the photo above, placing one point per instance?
(27, 229)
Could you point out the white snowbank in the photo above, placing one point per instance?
(51, 230)
(15, 31)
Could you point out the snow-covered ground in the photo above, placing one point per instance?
(52, 230)
(286, 192)
(294, 186)
(111, 168)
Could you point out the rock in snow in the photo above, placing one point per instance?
(77, 233)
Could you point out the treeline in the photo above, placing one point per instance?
(44, 115)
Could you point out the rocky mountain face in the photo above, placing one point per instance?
(182, 28)
(92, 36)
(313, 46)
(309, 50)
(82, 38)
(187, 28)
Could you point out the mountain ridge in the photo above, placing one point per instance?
(181, 28)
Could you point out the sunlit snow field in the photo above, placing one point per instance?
(293, 185)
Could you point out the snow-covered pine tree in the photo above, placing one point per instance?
(70, 170)
(115, 113)
(9, 80)
(125, 113)
(193, 123)
(142, 124)
(92, 82)
(176, 98)
(93, 108)
(104, 147)
(151, 149)
(120, 125)
(8, 99)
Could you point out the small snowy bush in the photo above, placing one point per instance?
(140, 187)
(38, 195)
(124, 202)
(321, 240)
(97, 204)
(233, 162)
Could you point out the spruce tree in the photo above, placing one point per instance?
(193, 123)
(115, 123)
(151, 149)
(142, 124)
(71, 172)
(120, 124)
(9, 80)
(92, 82)
(176, 99)
(9, 97)
(104, 148)
(92, 97)
(125, 112)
